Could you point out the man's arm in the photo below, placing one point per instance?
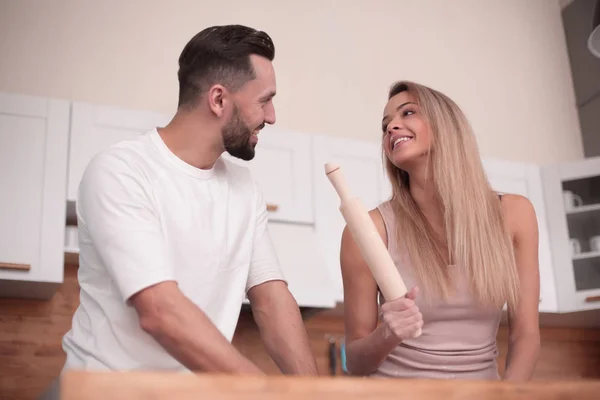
(115, 204)
(186, 333)
(274, 308)
(281, 327)
(524, 333)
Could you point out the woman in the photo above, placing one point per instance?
(463, 251)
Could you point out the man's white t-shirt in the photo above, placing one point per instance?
(144, 217)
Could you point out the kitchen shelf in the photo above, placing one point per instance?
(584, 209)
(587, 255)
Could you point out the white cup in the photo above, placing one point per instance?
(595, 243)
(575, 246)
(571, 200)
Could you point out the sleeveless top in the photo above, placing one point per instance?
(458, 339)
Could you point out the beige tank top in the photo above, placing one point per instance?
(458, 338)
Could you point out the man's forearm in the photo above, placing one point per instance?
(522, 358)
(284, 335)
(186, 333)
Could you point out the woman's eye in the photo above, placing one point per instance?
(408, 112)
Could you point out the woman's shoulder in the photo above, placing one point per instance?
(381, 218)
(518, 212)
(515, 203)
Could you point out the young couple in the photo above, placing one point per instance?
(173, 237)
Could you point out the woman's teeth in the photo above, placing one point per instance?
(400, 140)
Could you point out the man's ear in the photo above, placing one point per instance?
(218, 98)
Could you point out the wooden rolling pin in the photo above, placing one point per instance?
(364, 232)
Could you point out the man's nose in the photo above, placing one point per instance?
(270, 115)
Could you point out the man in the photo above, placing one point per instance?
(173, 236)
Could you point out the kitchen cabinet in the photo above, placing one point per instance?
(363, 169)
(572, 195)
(96, 127)
(525, 179)
(46, 145)
(34, 135)
(282, 167)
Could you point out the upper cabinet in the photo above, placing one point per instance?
(572, 193)
(34, 137)
(525, 179)
(95, 127)
(282, 167)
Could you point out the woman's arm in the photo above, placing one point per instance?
(367, 344)
(524, 333)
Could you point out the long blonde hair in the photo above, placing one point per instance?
(478, 241)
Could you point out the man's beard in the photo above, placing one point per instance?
(236, 138)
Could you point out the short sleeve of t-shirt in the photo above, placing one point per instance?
(264, 265)
(115, 207)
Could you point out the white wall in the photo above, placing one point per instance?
(503, 61)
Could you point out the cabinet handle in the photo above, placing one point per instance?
(592, 299)
(21, 267)
(272, 207)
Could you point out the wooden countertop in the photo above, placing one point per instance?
(155, 385)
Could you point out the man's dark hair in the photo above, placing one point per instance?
(220, 54)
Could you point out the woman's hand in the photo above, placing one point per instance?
(401, 317)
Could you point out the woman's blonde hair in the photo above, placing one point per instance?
(478, 241)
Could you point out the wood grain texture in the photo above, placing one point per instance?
(133, 386)
(31, 354)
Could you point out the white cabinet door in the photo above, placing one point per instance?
(34, 134)
(282, 167)
(577, 272)
(302, 263)
(96, 127)
(525, 179)
(362, 166)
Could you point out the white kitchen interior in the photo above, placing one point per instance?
(46, 143)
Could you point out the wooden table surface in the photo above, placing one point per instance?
(77, 385)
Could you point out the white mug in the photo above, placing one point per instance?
(595, 243)
(571, 200)
(575, 246)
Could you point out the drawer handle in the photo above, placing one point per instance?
(592, 299)
(272, 207)
(21, 267)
